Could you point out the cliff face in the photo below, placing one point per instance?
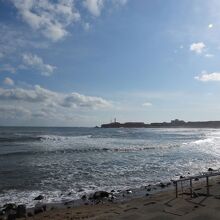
(172, 124)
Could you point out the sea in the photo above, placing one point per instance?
(66, 163)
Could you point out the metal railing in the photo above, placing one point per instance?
(197, 177)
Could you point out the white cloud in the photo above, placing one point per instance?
(147, 104)
(79, 100)
(48, 17)
(52, 18)
(8, 81)
(209, 55)
(53, 99)
(14, 112)
(206, 77)
(14, 39)
(37, 94)
(39, 106)
(197, 47)
(32, 60)
(94, 6)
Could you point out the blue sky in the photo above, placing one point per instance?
(84, 62)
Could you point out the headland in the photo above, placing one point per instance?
(173, 124)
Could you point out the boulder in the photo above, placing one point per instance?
(83, 197)
(40, 197)
(100, 195)
(162, 185)
(9, 206)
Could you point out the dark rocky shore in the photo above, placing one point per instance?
(14, 211)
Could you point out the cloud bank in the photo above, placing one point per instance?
(52, 18)
(49, 17)
(51, 98)
(21, 104)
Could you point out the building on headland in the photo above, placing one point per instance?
(173, 124)
(177, 122)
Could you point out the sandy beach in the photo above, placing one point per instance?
(158, 206)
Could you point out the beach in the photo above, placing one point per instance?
(158, 206)
(152, 205)
(54, 173)
(109, 109)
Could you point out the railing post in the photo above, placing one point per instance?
(207, 185)
(176, 189)
(191, 191)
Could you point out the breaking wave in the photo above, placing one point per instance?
(78, 150)
(25, 138)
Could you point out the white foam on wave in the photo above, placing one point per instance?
(88, 143)
(203, 141)
(62, 138)
(27, 197)
(19, 197)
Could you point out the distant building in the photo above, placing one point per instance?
(177, 122)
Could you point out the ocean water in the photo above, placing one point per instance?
(66, 163)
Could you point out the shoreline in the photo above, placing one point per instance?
(92, 199)
(159, 206)
(109, 200)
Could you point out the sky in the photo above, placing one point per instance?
(85, 62)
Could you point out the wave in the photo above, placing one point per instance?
(203, 141)
(19, 139)
(85, 150)
(25, 138)
(61, 138)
